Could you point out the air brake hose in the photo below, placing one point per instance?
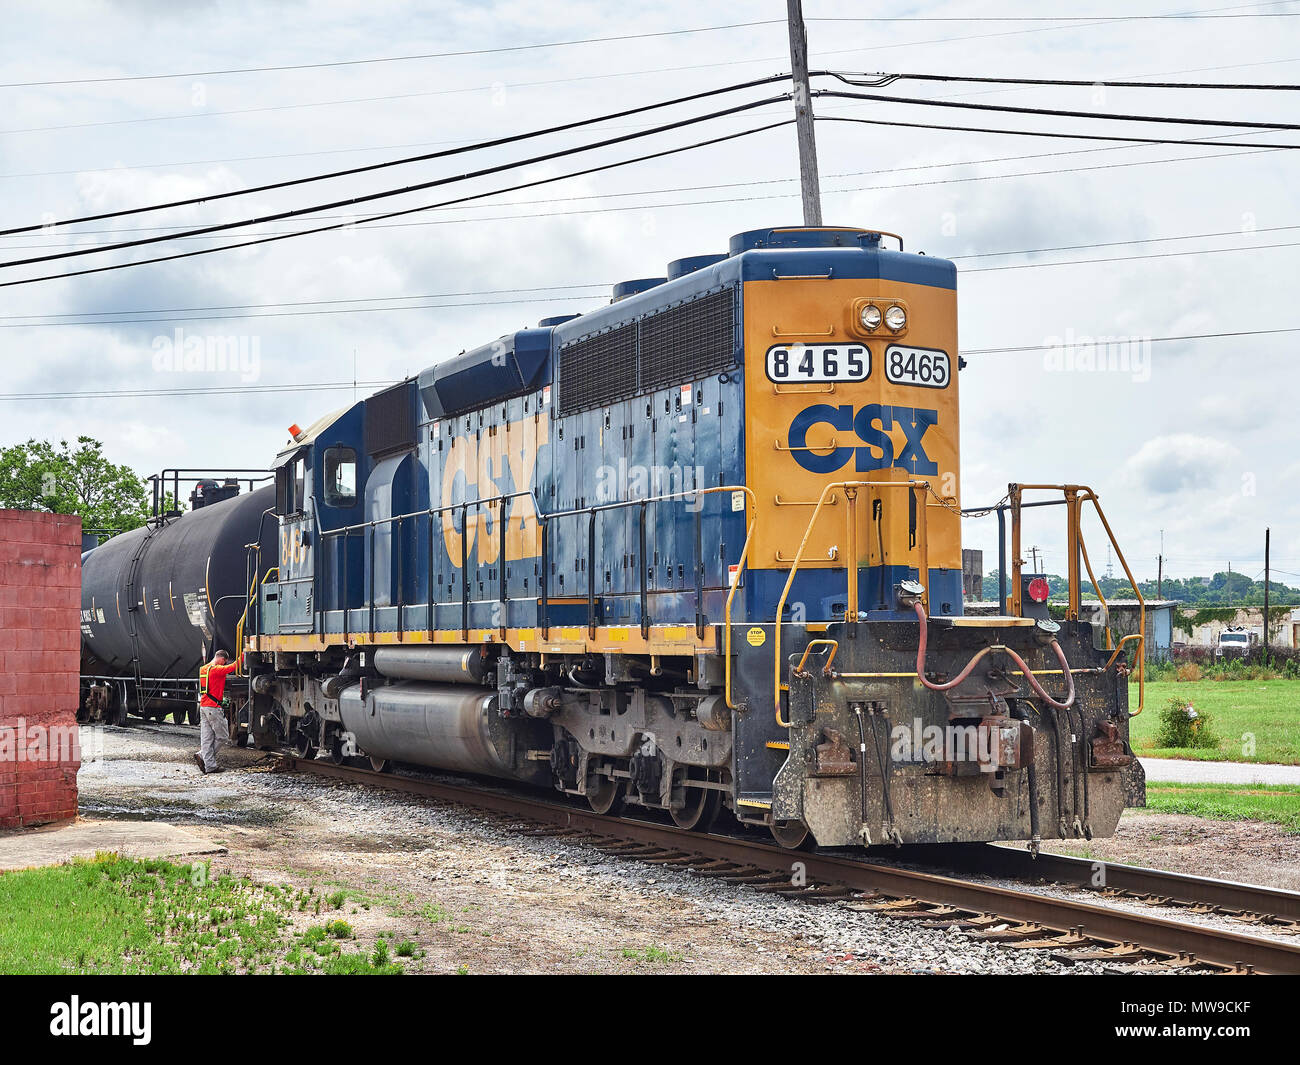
(1039, 690)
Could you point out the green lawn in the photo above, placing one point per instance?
(1269, 710)
(1277, 804)
(116, 915)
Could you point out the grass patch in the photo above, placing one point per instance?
(1277, 804)
(114, 915)
(120, 916)
(1267, 710)
(317, 951)
(652, 954)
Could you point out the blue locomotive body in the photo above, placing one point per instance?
(582, 554)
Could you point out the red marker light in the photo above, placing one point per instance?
(1038, 590)
(295, 433)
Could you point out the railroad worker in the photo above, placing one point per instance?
(214, 732)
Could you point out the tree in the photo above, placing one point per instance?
(60, 478)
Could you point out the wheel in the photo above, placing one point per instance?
(192, 715)
(700, 809)
(380, 765)
(790, 834)
(303, 746)
(606, 797)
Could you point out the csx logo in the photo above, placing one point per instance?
(500, 461)
(872, 425)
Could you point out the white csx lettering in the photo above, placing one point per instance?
(494, 465)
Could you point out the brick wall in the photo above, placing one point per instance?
(40, 647)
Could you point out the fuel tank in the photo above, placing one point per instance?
(179, 587)
(444, 726)
(451, 665)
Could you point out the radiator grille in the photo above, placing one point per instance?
(688, 342)
(668, 347)
(388, 425)
(599, 369)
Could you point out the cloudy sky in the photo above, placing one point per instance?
(1196, 438)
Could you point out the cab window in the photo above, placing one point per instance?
(340, 477)
(288, 488)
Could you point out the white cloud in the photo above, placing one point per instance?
(1169, 452)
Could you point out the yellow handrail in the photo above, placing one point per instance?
(1075, 495)
(834, 645)
(253, 589)
(1142, 603)
(850, 489)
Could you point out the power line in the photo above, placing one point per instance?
(738, 199)
(1122, 243)
(890, 78)
(310, 313)
(1262, 147)
(312, 303)
(185, 314)
(1191, 15)
(257, 388)
(1054, 112)
(768, 181)
(1148, 340)
(481, 88)
(557, 81)
(1203, 142)
(148, 393)
(597, 285)
(1132, 258)
(1074, 23)
(354, 221)
(298, 212)
(389, 59)
(495, 142)
(410, 210)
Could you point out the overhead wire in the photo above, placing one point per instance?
(406, 211)
(445, 153)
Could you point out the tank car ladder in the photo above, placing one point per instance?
(132, 572)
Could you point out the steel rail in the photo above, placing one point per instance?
(1056, 916)
(1181, 888)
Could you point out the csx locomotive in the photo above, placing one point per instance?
(699, 548)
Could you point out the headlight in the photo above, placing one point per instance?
(870, 316)
(896, 318)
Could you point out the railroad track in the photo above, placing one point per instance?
(1070, 930)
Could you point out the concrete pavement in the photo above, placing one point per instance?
(1186, 770)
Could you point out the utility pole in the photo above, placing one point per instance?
(1160, 568)
(1266, 533)
(809, 183)
(1033, 554)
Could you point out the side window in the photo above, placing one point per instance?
(340, 477)
(288, 488)
(282, 483)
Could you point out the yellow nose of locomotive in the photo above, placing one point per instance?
(851, 378)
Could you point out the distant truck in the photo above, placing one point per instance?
(1236, 642)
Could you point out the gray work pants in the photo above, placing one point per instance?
(214, 733)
